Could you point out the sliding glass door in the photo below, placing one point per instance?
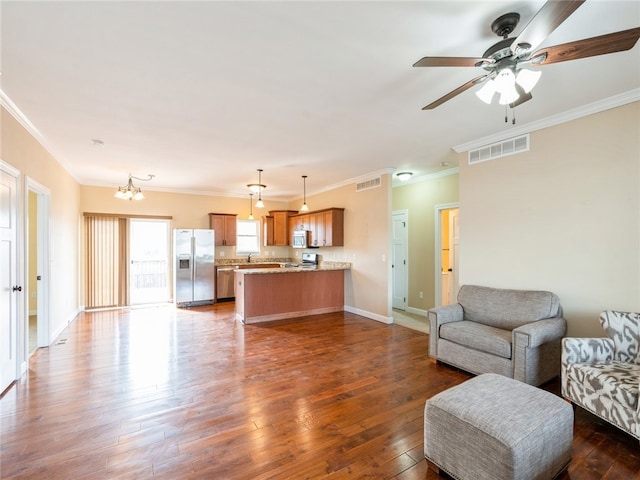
(149, 271)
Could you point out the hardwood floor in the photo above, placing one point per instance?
(190, 393)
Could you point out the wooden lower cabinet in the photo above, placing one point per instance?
(264, 297)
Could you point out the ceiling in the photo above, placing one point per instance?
(201, 94)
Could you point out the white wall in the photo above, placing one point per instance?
(564, 217)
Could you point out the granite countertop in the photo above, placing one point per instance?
(225, 262)
(322, 267)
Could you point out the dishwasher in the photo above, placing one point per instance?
(225, 283)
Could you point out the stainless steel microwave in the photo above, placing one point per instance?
(300, 238)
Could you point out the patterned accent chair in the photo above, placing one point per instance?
(602, 375)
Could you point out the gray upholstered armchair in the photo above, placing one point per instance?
(602, 375)
(515, 333)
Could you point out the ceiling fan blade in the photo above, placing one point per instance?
(548, 18)
(452, 62)
(457, 91)
(589, 47)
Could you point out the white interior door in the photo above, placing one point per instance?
(399, 260)
(9, 286)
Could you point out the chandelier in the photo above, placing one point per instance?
(130, 191)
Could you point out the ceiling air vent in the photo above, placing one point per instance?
(500, 149)
(367, 184)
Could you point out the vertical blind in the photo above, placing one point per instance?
(106, 261)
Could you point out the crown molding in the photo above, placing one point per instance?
(583, 111)
(20, 117)
(361, 178)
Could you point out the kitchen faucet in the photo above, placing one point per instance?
(249, 259)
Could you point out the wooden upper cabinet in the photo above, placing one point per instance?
(267, 225)
(277, 229)
(333, 224)
(300, 222)
(326, 226)
(224, 225)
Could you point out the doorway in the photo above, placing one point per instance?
(149, 271)
(36, 329)
(447, 254)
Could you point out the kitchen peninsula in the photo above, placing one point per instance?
(266, 294)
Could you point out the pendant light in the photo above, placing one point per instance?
(304, 207)
(250, 217)
(257, 188)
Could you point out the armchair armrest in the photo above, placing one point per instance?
(438, 316)
(536, 350)
(534, 334)
(586, 350)
(446, 314)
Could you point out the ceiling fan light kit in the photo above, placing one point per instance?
(504, 60)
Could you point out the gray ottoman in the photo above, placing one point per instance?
(493, 427)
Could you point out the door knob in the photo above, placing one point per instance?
(17, 288)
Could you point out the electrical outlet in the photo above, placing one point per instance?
(421, 295)
(34, 294)
(221, 253)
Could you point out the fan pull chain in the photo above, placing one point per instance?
(506, 115)
(513, 116)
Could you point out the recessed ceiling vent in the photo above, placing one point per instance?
(368, 184)
(501, 149)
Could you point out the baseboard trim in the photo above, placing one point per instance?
(418, 311)
(371, 315)
(56, 333)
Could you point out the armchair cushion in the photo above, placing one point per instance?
(617, 380)
(505, 308)
(479, 337)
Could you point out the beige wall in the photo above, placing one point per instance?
(23, 152)
(367, 245)
(367, 220)
(564, 217)
(420, 199)
(188, 211)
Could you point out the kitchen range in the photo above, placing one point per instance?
(309, 260)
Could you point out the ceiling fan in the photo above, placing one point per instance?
(504, 62)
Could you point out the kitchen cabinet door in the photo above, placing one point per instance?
(224, 225)
(334, 227)
(267, 223)
(280, 228)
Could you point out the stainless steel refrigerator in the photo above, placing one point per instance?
(194, 251)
